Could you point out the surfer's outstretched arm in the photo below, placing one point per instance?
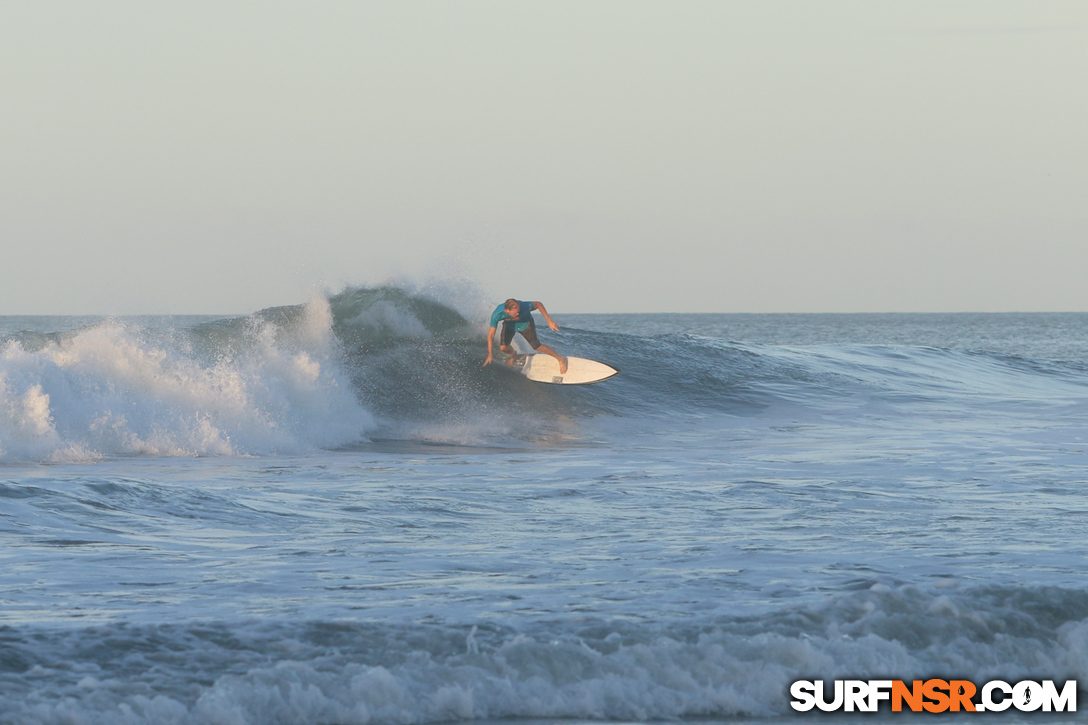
(490, 343)
(551, 323)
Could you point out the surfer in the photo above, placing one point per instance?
(517, 317)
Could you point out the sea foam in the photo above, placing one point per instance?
(368, 674)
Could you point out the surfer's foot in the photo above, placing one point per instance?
(562, 365)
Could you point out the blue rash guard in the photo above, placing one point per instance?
(521, 322)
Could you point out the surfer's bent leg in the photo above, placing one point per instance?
(529, 333)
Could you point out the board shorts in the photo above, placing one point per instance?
(529, 333)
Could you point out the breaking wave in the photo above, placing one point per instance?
(378, 674)
(388, 363)
(119, 389)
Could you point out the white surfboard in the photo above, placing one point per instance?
(545, 369)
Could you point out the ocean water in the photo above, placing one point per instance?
(331, 513)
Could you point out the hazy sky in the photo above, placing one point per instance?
(806, 156)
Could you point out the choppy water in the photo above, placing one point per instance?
(332, 514)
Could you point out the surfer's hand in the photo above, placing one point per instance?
(487, 361)
(553, 325)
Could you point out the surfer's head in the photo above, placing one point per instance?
(512, 306)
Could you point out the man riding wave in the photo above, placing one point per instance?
(516, 317)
